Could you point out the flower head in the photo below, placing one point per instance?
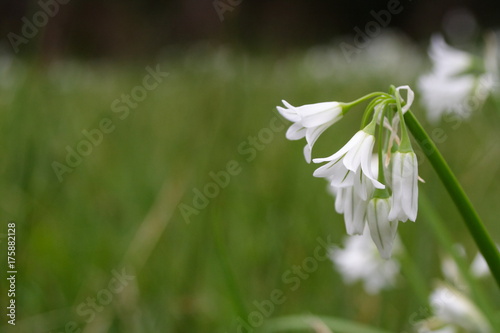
(310, 121)
(356, 179)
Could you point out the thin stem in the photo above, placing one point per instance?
(381, 175)
(456, 192)
(370, 108)
(347, 106)
(405, 144)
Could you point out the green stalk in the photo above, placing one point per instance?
(472, 220)
(309, 322)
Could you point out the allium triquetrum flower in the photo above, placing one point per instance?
(404, 178)
(342, 166)
(360, 188)
(310, 121)
(382, 228)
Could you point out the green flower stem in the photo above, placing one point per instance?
(347, 106)
(405, 145)
(369, 109)
(462, 202)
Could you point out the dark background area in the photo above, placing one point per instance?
(129, 29)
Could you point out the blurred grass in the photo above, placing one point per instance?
(71, 235)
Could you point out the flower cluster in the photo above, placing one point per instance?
(458, 82)
(379, 194)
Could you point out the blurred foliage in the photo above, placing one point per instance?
(201, 276)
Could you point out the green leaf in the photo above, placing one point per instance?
(307, 322)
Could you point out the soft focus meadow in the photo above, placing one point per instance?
(109, 246)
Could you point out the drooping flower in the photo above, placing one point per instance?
(310, 121)
(382, 228)
(347, 202)
(342, 166)
(362, 192)
(404, 179)
(359, 260)
(352, 201)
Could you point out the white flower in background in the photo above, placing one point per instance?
(451, 270)
(310, 121)
(452, 307)
(382, 229)
(444, 95)
(449, 88)
(447, 60)
(359, 260)
(404, 179)
(479, 268)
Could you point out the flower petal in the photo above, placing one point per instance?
(410, 97)
(382, 230)
(296, 132)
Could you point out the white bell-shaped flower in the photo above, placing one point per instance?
(355, 155)
(382, 229)
(404, 181)
(310, 121)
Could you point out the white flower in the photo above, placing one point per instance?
(360, 261)
(310, 121)
(404, 180)
(445, 94)
(353, 207)
(352, 201)
(451, 271)
(382, 229)
(447, 60)
(448, 89)
(454, 308)
(353, 156)
(479, 267)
